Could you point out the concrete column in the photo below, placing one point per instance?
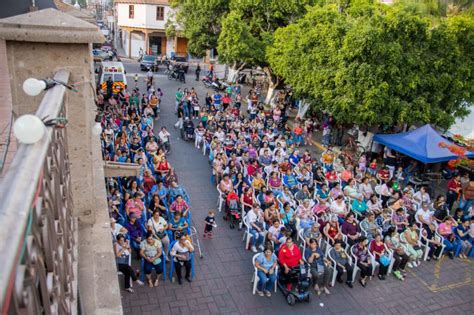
(38, 44)
(130, 44)
(147, 42)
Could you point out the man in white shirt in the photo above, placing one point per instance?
(257, 228)
(425, 216)
(181, 252)
(117, 228)
(164, 136)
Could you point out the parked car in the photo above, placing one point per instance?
(182, 62)
(149, 62)
(99, 55)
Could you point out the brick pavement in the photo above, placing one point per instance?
(222, 284)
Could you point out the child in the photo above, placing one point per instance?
(210, 222)
(373, 168)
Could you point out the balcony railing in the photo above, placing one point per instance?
(38, 236)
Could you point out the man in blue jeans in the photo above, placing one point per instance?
(266, 264)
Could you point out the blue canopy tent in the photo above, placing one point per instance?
(421, 144)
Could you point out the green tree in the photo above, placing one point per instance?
(377, 64)
(200, 21)
(248, 30)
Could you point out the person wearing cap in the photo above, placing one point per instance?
(135, 231)
(117, 228)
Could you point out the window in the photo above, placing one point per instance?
(131, 11)
(118, 77)
(160, 13)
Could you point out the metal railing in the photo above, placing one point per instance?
(38, 236)
(5, 135)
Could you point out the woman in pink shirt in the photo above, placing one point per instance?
(453, 245)
(135, 206)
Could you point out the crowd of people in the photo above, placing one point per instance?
(348, 216)
(150, 213)
(337, 216)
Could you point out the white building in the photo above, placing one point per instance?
(141, 25)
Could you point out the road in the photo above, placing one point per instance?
(222, 284)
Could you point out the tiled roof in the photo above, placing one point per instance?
(166, 2)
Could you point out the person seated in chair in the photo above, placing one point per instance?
(289, 257)
(339, 255)
(266, 264)
(319, 266)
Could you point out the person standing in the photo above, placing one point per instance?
(181, 253)
(149, 76)
(122, 257)
(135, 78)
(179, 98)
(467, 197)
(164, 136)
(198, 71)
(454, 191)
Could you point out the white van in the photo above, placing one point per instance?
(114, 70)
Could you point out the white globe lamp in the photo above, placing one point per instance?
(97, 129)
(33, 86)
(28, 129)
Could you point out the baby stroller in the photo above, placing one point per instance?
(295, 285)
(232, 213)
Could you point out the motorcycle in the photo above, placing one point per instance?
(177, 75)
(214, 84)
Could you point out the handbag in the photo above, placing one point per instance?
(385, 260)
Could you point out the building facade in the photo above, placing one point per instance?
(141, 26)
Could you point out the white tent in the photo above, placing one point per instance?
(464, 126)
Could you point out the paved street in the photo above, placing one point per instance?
(222, 284)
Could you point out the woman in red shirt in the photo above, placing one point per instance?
(377, 248)
(163, 167)
(289, 255)
(454, 189)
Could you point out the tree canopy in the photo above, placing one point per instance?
(201, 22)
(376, 64)
(248, 28)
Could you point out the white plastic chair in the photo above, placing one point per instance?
(354, 257)
(255, 275)
(374, 262)
(334, 269)
(303, 241)
(247, 236)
